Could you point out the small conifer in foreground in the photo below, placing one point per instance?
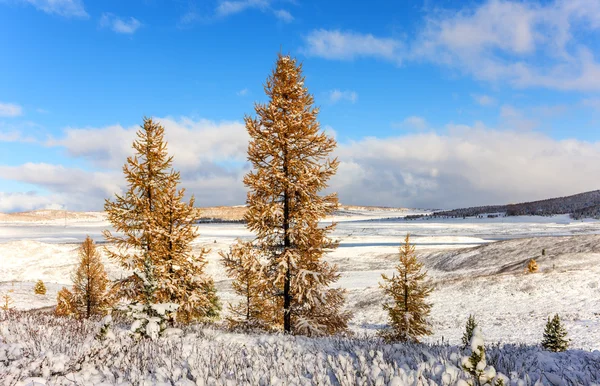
(40, 288)
(555, 335)
(242, 264)
(476, 364)
(408, 289)
(468, 334)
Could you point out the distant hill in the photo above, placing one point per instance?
(579, 206)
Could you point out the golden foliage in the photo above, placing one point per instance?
(532, 266)
(90, 283)
(408, 290)
(7, 302)
(290, 157)
(154, 230)
(39, 288)
(64, 303)
(256, 309)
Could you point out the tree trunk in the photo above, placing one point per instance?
(287, 298)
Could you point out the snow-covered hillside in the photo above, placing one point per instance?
(473, 273)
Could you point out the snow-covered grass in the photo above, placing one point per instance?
(37, 347)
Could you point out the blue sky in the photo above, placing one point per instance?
(434, 104)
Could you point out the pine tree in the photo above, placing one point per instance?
(154, 229)
(242, 264)
(408, 289)
(468, 334)
(90, 293)
(289, 154)
(39, 288)
(64, 303)
(555, 335)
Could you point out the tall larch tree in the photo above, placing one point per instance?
(180, 273)
(153, 231)
(408, 289)
(256, 309)
(90, 283)
(291, 162)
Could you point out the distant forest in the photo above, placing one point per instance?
(583, 205)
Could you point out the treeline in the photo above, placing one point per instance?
(579, 206)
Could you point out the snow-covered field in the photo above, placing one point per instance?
(476, 264)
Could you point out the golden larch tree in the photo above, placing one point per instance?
(256, 309)
(290, 156)
(39, 288)
(180, 274)
(408, 289)
(90, 282)
(153, 231)
(65, 306)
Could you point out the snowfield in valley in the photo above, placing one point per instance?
(477, 266)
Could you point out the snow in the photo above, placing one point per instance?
(48, 350)
(476, 265)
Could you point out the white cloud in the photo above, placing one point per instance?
(346, 45)
(10, 110)
(516, 119)
(348, 95)
(123, 26)
(26, 201)
(65, 8)
(14, 136)
(227, 8)
(412, 122)
(484, 100)
(210, 155)
(466, 167)
(242, 92)
(284, 15)
(543, 45)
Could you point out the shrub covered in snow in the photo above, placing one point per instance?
(65, 352)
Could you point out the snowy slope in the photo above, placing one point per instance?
(473, 273)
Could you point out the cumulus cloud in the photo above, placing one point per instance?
(26, 201)
(10, 110)
(65, 8)
(464, 166)
(119, 25)
(347, 45)
(210, 155)
(348, 95)
(470, 165)
(543, 45)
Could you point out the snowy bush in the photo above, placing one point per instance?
(64, 351)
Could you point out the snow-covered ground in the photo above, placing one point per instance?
(476, 266)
